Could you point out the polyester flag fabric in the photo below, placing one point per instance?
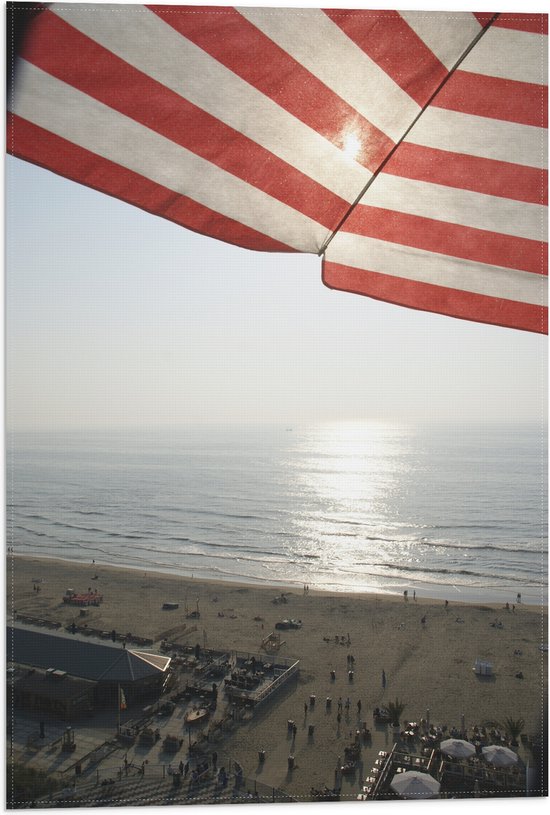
(121, 700)
(407, 148)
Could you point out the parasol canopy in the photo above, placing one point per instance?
(415, 785)
(457, 748)
(499, 756)
(405, 148)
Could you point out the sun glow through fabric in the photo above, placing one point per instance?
(352, 146)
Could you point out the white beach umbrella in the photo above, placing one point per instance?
(413, 784)
(457, 748)
(499, 756)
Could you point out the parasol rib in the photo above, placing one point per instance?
(379, 169)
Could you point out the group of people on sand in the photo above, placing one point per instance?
(347, 705)
(202, 770)
(339, 638)
(341, 706)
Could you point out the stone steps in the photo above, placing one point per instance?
(153, 789)
(143, 791)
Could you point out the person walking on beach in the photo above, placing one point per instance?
(340, 704)
(358, 707)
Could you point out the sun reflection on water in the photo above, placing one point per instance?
(351, 473)
(353, 462)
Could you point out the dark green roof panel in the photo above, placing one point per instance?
(89, 660)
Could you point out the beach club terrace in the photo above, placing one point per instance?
(247, 679)
(254, 678)
(66, 658)
(451, 776)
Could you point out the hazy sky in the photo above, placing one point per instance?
(119, 317)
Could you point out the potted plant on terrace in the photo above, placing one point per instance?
(514, 729)
(395, 710)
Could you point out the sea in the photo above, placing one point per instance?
(448, 512)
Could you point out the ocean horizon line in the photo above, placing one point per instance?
(288, 424)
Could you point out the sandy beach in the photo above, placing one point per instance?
(426, 665)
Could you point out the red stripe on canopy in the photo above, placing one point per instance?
(438, 299)
(465, 172)
(390, 42)
(445, 238)
(532, 23)
(495, 98)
